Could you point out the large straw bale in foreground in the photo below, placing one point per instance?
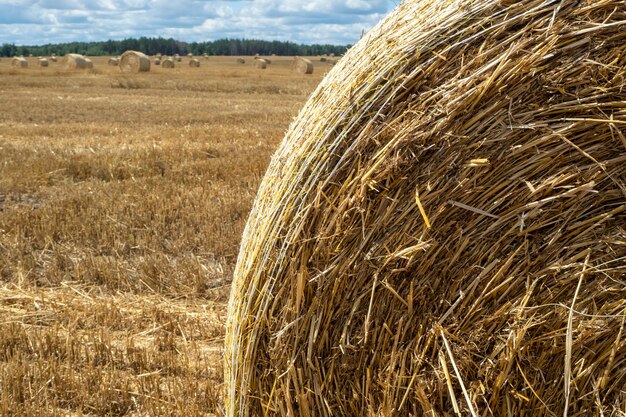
(133, 61)
(443, 230)
(302, 65)
(76, 61)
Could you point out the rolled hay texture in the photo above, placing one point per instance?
(76, 61)
(442, 230)
(43, 62)
(53, 58)
(241, 61)
(189, 56)
(133, 61)
(113, 61)
(178, 58)
(260, 63)
(194, 63)
(168, 63)
(302, 65)
(19, 62)
(157, 61)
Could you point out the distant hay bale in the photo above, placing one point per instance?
(133, 61)
(19, 62)
(157, 61)
(168, 63)
(76, 61)
(323, 59)
(178, 58)
(113, 62)
(43, 62)
(194, 63)
(260, 63)
(53, 58)
(190, 56)
(442, 230)
(302, 65)
(241, 61)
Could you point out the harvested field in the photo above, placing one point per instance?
(122, 201)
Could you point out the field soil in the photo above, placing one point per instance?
(122, 202)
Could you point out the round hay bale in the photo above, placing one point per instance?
(19, 62)
(114, 62)
(323, 59)
(260, 63)
(178, 58)
(133, 61)
(189, 56)
(302, 65)
(168, 63)
(442, 230)
(76, 61)
(194, 63)
(159, 56)
(43, 62)
(241, 61)
(53, 58)
(157, 61)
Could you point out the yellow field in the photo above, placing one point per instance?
(122, 201)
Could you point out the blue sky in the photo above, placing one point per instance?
(35, 22)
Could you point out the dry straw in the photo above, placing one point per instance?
(443, 230)
(260, 63)
(241, 61)
(267, 60)
(53, 58)
(168, 63)
(157, 61)
(43, 62)
(133, 61)
(194, 63)
(302, 65)
(113, 61)
(19, 62)
(76, 61)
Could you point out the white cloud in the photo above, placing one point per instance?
(303, 21)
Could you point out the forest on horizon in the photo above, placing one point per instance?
(152, 46)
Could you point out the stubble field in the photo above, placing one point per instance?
(122, 202)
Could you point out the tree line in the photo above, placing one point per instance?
(152, 46)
